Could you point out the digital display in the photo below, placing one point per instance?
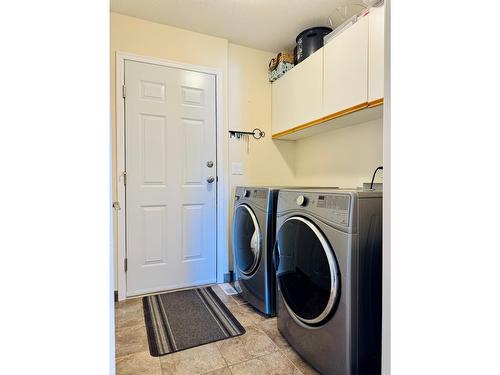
(321, 201)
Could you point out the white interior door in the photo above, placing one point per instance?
(170, 132)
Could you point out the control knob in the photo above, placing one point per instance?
(301, 200)
(246, 193)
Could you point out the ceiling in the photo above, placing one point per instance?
(269, 25)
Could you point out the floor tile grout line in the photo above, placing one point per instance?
(289, 360)
(222, 355)
(263, 355)
(130, 326)
(281, 350)
(144, 341)
(161, 367)
(246, 360)
(300, 359)
(251, 359)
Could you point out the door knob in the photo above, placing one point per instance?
(210, 179)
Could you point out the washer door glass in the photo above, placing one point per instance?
(308, 273)
(246, 239)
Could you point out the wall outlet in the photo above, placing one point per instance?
(236, 168)
(376, 186)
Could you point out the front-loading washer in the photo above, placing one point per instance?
(328, 261)
(253, 235)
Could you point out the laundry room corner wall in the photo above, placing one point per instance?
(136, 36)
(339, 157)
(266, 162)
(247, 97)
(343, 157)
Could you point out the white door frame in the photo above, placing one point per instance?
(221, 164)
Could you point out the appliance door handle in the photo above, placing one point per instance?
(276, 256)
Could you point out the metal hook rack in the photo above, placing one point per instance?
(256, 133)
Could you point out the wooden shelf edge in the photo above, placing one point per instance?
(375, 103)
(344, 112)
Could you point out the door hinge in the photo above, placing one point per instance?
(124, 176)
(126, 264)
(124, 91)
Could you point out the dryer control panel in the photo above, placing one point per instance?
(337, 206)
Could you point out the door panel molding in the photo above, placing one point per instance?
(155, 94)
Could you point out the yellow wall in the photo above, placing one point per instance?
(343, 157)
(140, 37)
(249, 105)
(133, 35)
(339, 157)
(247, 94)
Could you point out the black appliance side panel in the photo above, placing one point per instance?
(273, 288)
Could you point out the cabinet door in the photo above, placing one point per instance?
(308, 89)
(376, 54)
(297, 97)
(346, 69)
(282, 103)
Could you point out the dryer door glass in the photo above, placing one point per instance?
(246, 239)
(307, 272)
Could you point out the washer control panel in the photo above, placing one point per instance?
(259, 193)
(337, 205)
(249, 192)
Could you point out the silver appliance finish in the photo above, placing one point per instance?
(345, 337)
(256, 283)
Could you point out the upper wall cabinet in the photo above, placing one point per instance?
(346, 69)
(308, 88)
(376, 54)
(298, 96)
(281, 103)
(339, 85)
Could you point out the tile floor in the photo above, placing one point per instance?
(261, 350)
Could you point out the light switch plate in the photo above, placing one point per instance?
(237, 168)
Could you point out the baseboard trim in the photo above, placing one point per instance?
(228, 277)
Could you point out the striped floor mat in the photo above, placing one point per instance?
(185, 319)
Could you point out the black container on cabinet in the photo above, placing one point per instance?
(309, 41)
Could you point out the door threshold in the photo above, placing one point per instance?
(169, 291)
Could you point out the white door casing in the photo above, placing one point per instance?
(170, 122)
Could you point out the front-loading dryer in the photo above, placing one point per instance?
(253, 235)
(328, 259)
